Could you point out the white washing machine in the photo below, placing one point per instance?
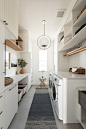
(51, 77)
(57, 96)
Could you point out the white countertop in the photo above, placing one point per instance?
(69, 75)
(81, 88)
(16, 79)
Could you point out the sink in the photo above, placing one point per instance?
(82, 99)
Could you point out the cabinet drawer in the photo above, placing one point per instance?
(1, 115)
(1, 100)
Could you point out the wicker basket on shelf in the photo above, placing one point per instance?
(80, 70)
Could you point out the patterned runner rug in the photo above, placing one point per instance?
(41, 114)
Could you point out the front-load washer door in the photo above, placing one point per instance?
(54, 92)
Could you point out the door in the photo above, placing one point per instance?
(11, 104)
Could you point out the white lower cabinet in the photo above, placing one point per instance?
(1, 115)
(2, 126)
(29, 82)
(1, 100)
(11, 104)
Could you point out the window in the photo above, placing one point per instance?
(42, 60)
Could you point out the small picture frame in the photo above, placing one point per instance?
(13, 61)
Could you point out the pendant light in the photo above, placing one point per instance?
(44, 41)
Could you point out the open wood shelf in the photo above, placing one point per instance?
(83, 48)
(19, 38)
(69, 33)
(62, 40)
(12, 45)
(81, 20)
(75, 40)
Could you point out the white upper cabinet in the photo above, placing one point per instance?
(26, 44)
(14, 18)
(9, 15)
(2, 10)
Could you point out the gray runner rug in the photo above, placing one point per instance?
(41, 114)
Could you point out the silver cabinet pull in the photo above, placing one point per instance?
(1, 112)
(1, 96)
(12, 88)
(6, 23)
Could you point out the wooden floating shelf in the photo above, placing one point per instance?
(83, 48)
(13, 45)
(19, 38)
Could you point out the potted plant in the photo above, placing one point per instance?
(22, 64)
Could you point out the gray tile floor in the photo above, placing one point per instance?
(20, 119)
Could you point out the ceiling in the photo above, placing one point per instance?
(32, 12)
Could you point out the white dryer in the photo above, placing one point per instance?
(57, 96)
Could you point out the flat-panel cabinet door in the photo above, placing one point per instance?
(7, 13)
(2, 10)
(29, 82)
(11, 104)
(14, 18)
(6, 8)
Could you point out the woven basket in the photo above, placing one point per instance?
(8, 81)
(80, 71)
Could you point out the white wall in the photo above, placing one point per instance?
(27, 57)
(10, 72)
(35, 64)
(78, 60)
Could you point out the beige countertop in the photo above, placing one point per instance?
(69, 75)
(16, 79)
(81, 88)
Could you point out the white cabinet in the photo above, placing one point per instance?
(9, 15)
(1, 100)
(2, 126)
(27, 43)
(11, 104)
(29, 81)
(14, 18)
(2, 56)
(1, 115)
(2, 10)
(2, 111)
